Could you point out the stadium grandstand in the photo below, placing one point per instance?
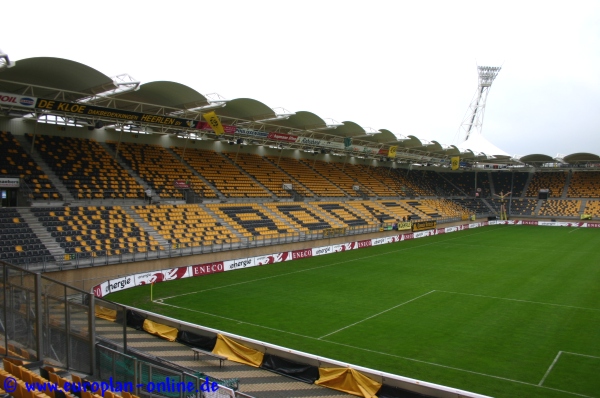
(103, 177)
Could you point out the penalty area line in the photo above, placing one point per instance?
(550, 368)
(379, 313)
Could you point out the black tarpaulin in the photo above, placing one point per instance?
(135, 320)
(195, 340)
(295, 370)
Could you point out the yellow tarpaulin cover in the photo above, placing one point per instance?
(236, 352)
(349, 381)
(164, 331)
(106, 313)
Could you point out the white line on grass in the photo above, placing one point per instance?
(382, 353)
(575, 229)
(556, 359)
(550, 368)
(379, 313)
(522, 301)
(581, 355)
(326, 265)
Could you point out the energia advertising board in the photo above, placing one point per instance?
(145, 278)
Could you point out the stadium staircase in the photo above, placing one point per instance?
(292, 179)
(326, 179)
(493, 209)
(60, 187)
(450, 182)
(583, 205)
(223, 222)
(142, 223)
(538, 207)
(40, 231)
(211, 186)
(250, 176)
(526, 186)
(126, 167)
(492, 187)
(567, 183)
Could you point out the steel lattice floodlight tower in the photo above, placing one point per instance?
(474, 119)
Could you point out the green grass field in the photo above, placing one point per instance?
(506, 311)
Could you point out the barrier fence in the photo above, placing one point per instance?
(44, 319)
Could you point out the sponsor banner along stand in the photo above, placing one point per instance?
(319, 251)
(207, 269)
(379, 241)
(101, 289)
(423, 234)
(344, 247)
(115, 285)
(231, 265)
(147, 278)
(273, 258)
(304, 253)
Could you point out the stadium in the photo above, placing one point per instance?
(126, 204)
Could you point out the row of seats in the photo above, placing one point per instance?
(250, 220)
(18, 163)
(185, 225)
(584, 185)
(95, 231)
(221, 173)
(18, 243)
(86, 169)
(553, 181)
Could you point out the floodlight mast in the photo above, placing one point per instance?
(473, 121)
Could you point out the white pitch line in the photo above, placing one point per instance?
(581, 355)
(521, 301)
(326, 265)
(383, 353)
(550, 368)
(379, 313)
(575, 229)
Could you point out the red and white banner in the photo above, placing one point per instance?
(231, 265)
(126, 282)
(207, 269)
(304, 253)
(282, 137)
(273, 258)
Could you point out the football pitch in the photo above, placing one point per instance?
(505, 311)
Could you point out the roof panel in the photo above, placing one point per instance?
(165, 93)
(246, 109)
(302, 120)
(58, 73)
(581, 157)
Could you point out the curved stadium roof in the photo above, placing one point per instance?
(68, 80)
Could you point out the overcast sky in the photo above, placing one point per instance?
(405, 66)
